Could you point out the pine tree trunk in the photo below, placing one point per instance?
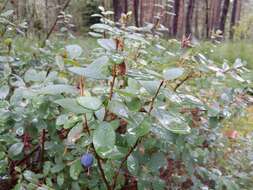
(119, 7)
(207, 19)
(233, 19)
(215, 6)
(181, 19)
(196, 19)
(106, 4)
(239, 8)
(136, 12)
(141, 12)
(148, 10)
(189, 16)
(175, 19)
(217, 13)
(224, 15)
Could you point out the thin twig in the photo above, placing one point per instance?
(25, 158)
(114, 182)
(86, 127)
(55, 23)
(97, 156)
(155, 96)
(112, 83)
(43, 138)
(182, 82)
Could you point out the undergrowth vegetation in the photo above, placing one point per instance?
(132, 111)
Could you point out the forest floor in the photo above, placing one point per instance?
(228, 50)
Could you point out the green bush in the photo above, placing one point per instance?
(130, 113)
(82, 11)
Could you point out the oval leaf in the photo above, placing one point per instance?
(71, 105)
(15, 149)
(174, 73)
(118, 108)
(75, 170)
(107, 44)
(104, 139)
(91, 103)
(75, 133)
(74, 51)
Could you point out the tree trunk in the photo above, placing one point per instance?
(119, 7)
(224, 15)
(239, 8)
(207, 19)
(215, 8)
(175, 19)
(233, 19)
(148, 10)
(196, 19)
(189, 16)
(136, 12)
(181, 19)
(106, 4)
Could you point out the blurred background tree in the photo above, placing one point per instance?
(202, 19)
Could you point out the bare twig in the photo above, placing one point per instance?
(182, 82)
(112, 83)
(43, 138)
(155, 96)
(86, 127)
(25, 158)
(55, 23)
(99, 161)
(114, 182)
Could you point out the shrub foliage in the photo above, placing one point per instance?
(131, 114)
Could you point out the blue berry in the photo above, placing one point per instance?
(87, 160)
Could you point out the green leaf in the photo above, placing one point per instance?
(143, 128)
(98, 70)
(75, 186)
(150, 86)
(174, 73)
(75, 169)
(60, 179)
(15, 149)
(118, 108)
(7, 13)
(58, 89)
(137, 37)
(62, 119)
(6, 59)
(75, 133)
(134, 104)
(33, 76)
(91, 103)
(107, 44)
(100, 114)
(30, 176)
(172, 122)
(72, 122)
(101, 27)
(157, 161)
(4, 91)
(95, 35)
(57, 167)
(46, 168)
(132, 165)
(104, 139)
(74, 51)
(71, 105)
